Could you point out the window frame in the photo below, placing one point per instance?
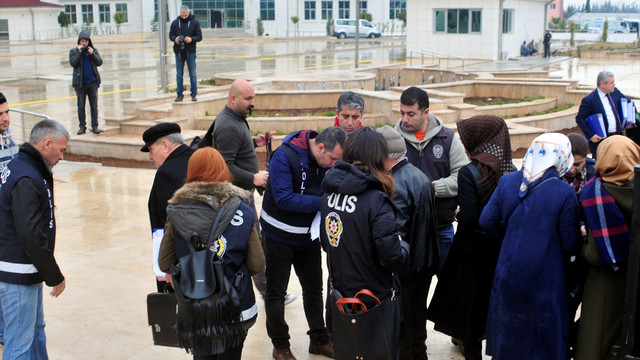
(326, 10)
(507, 21)
(451, 20)
(396, 6)
(310, 10)
(268, 10)
(123, 9)
(104, 16)
(344, 8)
(87, 14)
(71, 10)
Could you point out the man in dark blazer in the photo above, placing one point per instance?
(605, 100)
(166, 148)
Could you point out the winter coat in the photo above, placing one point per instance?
(75, 59)
(187, 27)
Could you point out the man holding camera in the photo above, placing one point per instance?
(85, 60)
(185, 33)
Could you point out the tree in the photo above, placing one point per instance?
(120, 18)
(64, 19)
(402, 15)
(572, 9)
(572, 28)
(367, 16)
(260, 26)
(605, 30)
(587, 6)
(329, 26)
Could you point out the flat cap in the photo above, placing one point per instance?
(395, 142)
(156, 132)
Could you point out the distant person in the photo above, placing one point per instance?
(538, 214)
(167, 150)
(607, 201)
(416, 218)
(8, 147)
(27, 240)
(349, 112)
(547, 44)
(85, 60)
(606, 100)
(290, 204)
(192, 209)
(524, 49)
(437, 151)
(532, 47)
(460, 303)
(185, 32)
(360, 234)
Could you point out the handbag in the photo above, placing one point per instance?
(161, 313)
(209, 311)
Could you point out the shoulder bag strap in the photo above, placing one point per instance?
(215, 226)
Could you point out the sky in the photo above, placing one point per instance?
(582, 2)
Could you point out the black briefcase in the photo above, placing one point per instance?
(161, 310)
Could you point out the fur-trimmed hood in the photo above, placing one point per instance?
(215, 193)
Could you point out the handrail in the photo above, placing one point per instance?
(25, 112)
(434, 54)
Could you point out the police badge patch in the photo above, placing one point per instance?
(437, 151)
(333, 227)
(219, 247)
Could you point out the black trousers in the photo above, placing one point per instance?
(306, 260)
(90, 91)
(231, 354)
(415, 290)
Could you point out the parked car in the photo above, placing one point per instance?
(343, 28)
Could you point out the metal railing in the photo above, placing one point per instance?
(20, 124)
(435, 55)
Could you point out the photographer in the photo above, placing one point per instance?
(85, 60)
(185, 33)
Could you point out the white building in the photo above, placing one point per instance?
(486, 29)
(28, 20)
(139, 14)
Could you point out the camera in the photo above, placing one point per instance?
(181, 41)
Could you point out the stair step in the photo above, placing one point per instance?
(117, 120)
(137, 127)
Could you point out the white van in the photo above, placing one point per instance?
(342, 28)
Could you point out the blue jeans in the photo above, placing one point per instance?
(446, 238)
(82, 93)
(191, 65)
(24, 336)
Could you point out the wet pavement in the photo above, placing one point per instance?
(104, 244)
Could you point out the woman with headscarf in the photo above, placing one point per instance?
(358, 226)
(461, 299)
(538, 213)
(600, 325)
(190, 217)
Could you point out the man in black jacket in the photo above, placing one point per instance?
(416, 218)
(185, 32)
(27, 240)
(85, 60)
(171, 156)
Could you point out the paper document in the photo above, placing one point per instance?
(157, 239)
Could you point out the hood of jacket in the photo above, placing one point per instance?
(344, 178)
(433, 128)
(215, 193)
(84, 35)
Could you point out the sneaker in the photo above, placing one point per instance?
(179, 98)
(283, 354)
(326, 350)
(289, 298)
(82, 131)
(193, 98)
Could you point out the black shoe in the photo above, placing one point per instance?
(179, 98)
(82, 130)
(95, 130)
(193, 98)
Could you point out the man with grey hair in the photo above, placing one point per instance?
(185, 32)
(167, 150)
(349, 112)
(27, 240)
(605, 102)
(416, 218)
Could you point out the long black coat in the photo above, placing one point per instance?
(169, 178)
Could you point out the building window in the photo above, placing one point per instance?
(553, 6)
(343, 9)
(310, 10)
(87, 13)
(267, 9)
(327, 10)
(363, 7)
(458, 21)
(123, 9)
(395, 7)
(104, 11)
(71, 11)
(507, 21)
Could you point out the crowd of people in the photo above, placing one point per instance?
(531, 244)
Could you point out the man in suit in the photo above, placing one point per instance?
(167, 150)
(605, 100)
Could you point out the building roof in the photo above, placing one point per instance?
(26, 3)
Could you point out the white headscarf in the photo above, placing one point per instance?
(550, 150)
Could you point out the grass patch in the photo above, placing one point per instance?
(211, 81)
(532, 98)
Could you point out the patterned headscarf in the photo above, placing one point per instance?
(486, 139)
(550, 150)
(617, 155)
